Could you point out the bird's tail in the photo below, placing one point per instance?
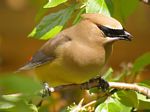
(26, 67)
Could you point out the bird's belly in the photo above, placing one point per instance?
(57, 74)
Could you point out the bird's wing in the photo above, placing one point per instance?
(46, 53)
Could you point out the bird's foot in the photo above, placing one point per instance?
(97, 82)
(47, 90)
(103, 84)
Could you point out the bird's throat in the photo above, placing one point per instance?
(108, 50)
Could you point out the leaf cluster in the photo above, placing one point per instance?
(51, 24)
(18, 94)
(17, 91)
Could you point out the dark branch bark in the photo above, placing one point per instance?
(115, 85)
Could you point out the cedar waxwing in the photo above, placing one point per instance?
(78, 53)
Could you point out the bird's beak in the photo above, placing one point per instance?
(126, 36)
(115, 34)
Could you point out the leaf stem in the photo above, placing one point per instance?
(89, 104)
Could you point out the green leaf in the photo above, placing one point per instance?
(120, 77)
(13, 83)
(8, 101)
(5, 105)
(41, 12)
(128, 98)
(52, 24)
(97, 6)
(52, 32)
(96, 90)
(112, 105)
(141, 62)
(110, 6)
(123, 8)
(54, 3)
(145, 83)
(44, 108)
(21, 106)
(11, 97)
(33, 108)
(144, 103)
(78, 17)
(108, 74)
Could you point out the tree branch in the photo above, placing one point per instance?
(126, 86)
(95, 83)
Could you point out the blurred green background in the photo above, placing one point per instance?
(17, 19)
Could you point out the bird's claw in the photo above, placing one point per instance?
(100, 83)
(104, 85)
(46, 90)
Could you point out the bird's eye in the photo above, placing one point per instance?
(112, 32)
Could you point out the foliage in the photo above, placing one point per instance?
(97, 6)
(54, 22)
(21, 94)
(140, 63)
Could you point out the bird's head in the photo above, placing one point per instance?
(110, 27)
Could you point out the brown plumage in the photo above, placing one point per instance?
(77, 53)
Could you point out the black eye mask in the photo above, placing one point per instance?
(112, 32)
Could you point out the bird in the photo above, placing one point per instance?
(78, 53)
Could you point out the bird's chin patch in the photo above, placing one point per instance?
(111, 39)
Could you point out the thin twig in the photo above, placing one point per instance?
(114, 85)
(89, 104)
(141, 89)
